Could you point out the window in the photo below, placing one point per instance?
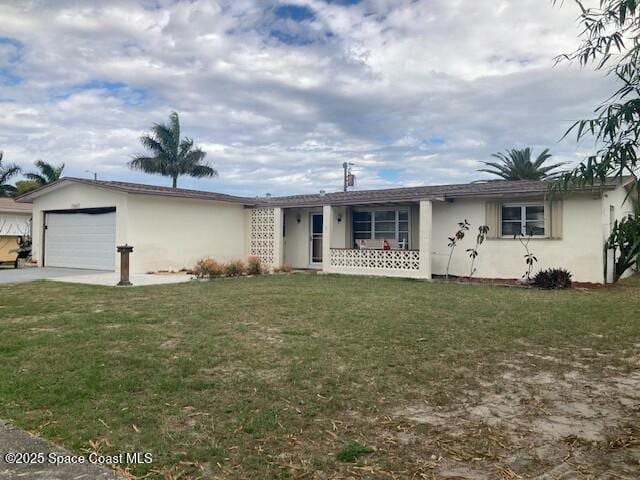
(522, 219)
(382, 224)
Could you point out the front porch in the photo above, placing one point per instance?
(383, 239)
(406, 254)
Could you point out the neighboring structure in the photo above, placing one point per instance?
(15, 222)
(78, 223)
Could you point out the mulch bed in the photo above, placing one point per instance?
(509, 282)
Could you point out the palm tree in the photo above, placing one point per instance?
(172, 156)
(6, 172)
(48, 173)
(517, 165)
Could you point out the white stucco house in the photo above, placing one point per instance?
(78, 223)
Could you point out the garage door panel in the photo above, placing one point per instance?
(81, 240)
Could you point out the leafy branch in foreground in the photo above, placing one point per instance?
(611, 40)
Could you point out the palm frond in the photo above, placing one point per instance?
(150, 143)
(7, 172)
(542, 158)
(148, 165)
(7, 190)
(36, 177)
(48, 173)
(174, 126)
(201, 171)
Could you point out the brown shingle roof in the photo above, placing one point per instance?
(10, 205)
(500, 188)
(142, 189)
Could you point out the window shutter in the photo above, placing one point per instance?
(556, 219)
(493, 219)
(547, 219)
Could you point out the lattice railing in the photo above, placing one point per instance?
(263, 234)
(376, 259)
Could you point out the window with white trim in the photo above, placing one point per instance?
(523, 219)
(382, 224)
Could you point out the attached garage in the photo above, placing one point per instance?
(80, 238)
(79, 223)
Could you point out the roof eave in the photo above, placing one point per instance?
(28, 197)
(15, 210)
(195, 197)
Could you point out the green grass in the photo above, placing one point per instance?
(270, 377)
(352, 451)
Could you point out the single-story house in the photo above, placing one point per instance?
(15, 222)
(402, 232)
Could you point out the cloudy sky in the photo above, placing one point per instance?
(280, 93)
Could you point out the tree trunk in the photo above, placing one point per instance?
(175, 181)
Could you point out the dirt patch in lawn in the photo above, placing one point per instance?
(539, 425)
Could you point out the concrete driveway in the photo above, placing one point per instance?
(88, 277)
(31, 274)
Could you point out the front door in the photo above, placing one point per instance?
(316, 239)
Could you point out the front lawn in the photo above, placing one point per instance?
(329, 377)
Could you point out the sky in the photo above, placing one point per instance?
(281, 93)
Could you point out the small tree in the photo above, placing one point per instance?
(473, 252)
(529, 257)
(463, 227)
(625, 243)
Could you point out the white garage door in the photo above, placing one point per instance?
(80, 240)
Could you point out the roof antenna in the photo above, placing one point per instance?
(349, 179)
(95, 174)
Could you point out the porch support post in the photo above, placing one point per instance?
(425, 229)
(278, 240)
(327, 230)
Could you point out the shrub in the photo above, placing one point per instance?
(208, 268)
(625, 243)
(553, 279)
(235, 268)
(255, 266)
(351, 451)
(284, 268)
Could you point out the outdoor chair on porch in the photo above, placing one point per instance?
(378, 244)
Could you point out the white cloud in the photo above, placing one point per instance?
(427, 88)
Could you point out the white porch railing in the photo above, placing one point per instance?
(380, 260)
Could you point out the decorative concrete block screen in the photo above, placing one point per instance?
(263, 234)
(376, 259)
